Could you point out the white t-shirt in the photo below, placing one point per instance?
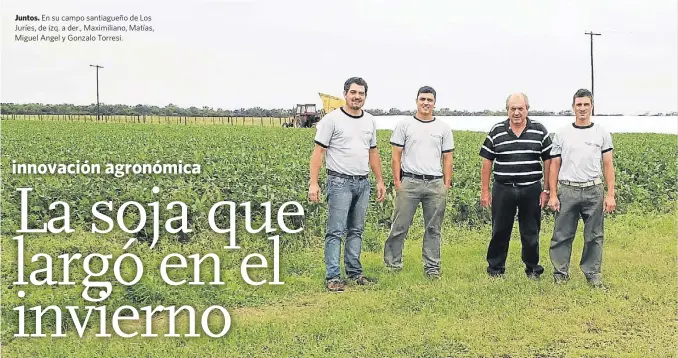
(423, 143)
(348, 140)
(581, 151)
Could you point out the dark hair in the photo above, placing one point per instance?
(583, 92)
(427, 89)
(357, 80)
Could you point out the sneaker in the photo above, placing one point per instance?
(335, 285)
(560, 279)
(496, 274)
(393, 269)
(362, 280)
(596, 282)
(533, 272)
(533, 276)
(433, 275)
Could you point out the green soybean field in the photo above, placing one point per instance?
(465, 314)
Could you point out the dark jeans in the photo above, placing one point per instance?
(575, 203)
(506, 199)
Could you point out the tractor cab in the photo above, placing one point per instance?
(306, 115)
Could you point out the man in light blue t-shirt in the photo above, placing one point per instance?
(420, 143)
(347, 137)
(577, 190)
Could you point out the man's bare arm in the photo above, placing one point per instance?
(316, 163)
(396, 161)
(547, 174)
(375, 164)
(608, 172)
(554, 169)
(447, 168)
(609, 203)
(314, 172)
(485, 175)
(485, 197)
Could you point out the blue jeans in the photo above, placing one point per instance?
(347, 201)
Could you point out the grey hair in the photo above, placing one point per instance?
(527, 102)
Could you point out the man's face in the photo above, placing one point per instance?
(582, 107)
(355, 96)
(425, 103)
(517, 109)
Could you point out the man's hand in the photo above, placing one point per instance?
(554, 203)
(314, 192)
(485, 198)
(381, 191)
(543, 199)
(609, 204)
(397, 185)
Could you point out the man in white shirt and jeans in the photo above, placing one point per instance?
(420, 143)
(577, 190)
(348, 137)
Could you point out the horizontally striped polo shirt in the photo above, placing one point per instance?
(517, 159)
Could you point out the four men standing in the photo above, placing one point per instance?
(521, 150)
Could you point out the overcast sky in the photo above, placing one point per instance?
(273, 54)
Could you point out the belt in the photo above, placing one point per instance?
(517, 185)
(581, 184)
(422, 177)
(346, 176)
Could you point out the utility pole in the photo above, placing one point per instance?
(97, 67)
(591, 34)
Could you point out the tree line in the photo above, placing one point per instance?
(205, 111)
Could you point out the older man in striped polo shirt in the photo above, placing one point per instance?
(517, 146)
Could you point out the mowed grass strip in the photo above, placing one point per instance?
(466, 314)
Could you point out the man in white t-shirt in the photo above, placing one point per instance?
(422, 172)
(577, 190)
(347, 137)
